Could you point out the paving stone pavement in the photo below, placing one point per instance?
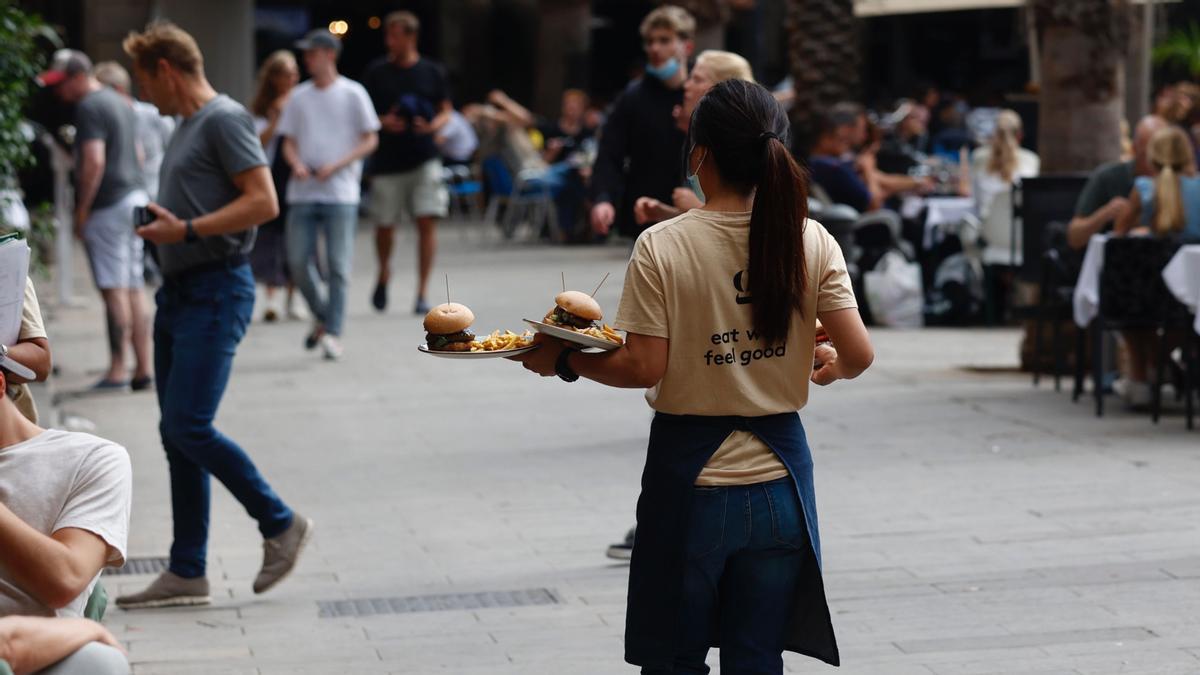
(971, 524)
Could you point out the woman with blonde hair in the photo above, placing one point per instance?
(276, 77)
(1167, 203)
(995, 167)
(712, 67)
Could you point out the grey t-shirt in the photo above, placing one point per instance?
(1111, 180)
(105, 115)
(207, 150)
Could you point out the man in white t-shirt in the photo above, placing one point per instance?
(64, 514)
(328, 126)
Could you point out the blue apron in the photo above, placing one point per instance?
(680, 446)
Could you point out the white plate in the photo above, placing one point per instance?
(499, 354)
(572, 336)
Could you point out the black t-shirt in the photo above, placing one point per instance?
(572, 143)
(409, 92)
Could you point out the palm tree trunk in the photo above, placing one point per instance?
(1084, 44)
(823, 57)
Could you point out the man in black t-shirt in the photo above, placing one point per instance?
(412, 97)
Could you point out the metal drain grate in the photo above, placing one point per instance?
(140, 566)
(435, 603)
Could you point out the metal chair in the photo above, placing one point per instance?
(523, 195)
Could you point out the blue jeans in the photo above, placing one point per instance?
(200, 321)
(337, 221)
(746, 548)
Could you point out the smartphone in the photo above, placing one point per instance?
(142, 216)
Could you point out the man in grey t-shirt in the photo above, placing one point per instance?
(109, 186)
(214, 189)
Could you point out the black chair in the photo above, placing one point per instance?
(1133, 296)
(1041, 207)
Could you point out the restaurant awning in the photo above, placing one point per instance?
(869, 8)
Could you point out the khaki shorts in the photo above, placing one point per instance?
(420, 193)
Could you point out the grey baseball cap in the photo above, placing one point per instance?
(320, 38)
(65, 63)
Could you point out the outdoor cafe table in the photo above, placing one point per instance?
(1182, 277)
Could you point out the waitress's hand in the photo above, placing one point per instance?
(543, 359)
(825, 365)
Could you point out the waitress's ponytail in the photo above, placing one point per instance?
(777, 279)
(745, 131)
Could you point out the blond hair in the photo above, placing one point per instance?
(674, 19)
(164, 41)
(1005, 144)
(1170, 152)
(266, 91)
(725, 65)
(112, 74)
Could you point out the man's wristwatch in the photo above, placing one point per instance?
(563, 369)
(189, 232)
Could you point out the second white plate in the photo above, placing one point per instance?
(572, 336)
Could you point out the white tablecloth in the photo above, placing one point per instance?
(945, 211)
(1087, 288)
(1182, 276)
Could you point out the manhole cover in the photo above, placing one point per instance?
(140, 566)
(435, 603)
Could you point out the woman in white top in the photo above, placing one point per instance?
(720, 305)
(278, 74)
(995, 168)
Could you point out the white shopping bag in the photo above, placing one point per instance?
(895, 293)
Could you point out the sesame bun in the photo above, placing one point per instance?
(448, 318)
(580, 304)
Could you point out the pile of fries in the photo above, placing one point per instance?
(498, 342)
(606, 333)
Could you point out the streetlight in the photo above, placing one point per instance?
(339, 27)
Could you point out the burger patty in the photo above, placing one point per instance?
(454, 342)
(562, 317)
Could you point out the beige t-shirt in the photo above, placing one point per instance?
(686, 281)
(31, 329)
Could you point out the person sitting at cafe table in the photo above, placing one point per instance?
(1164, 205)
(996, 166)
(1105, 196)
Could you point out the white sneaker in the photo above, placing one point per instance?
(295, 308)
(331, 347)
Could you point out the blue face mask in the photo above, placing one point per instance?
(694, 180)
(664, 72)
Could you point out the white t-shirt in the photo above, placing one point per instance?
(272, 146)
(61, 479)
(326, 124)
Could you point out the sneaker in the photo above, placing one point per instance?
(331, 347)
(379, 297)
(623, 550)
(422, 308)
(169, 590)
(314, 337)
(281, 553)
(295, 309)
(141, 383)
(110, 385)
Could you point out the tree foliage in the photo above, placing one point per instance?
(20, 63)
(1181, 48)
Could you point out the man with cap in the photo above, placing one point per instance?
(328, 126)
(109, 185)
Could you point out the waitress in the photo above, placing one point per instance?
(721, 305)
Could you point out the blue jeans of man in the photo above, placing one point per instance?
(745, 551)
(201, 318)
(306, 221)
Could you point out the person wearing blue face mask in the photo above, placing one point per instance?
(640, 144)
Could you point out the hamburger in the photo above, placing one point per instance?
(447, 328)
(575, 310)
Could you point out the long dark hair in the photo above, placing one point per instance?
(746, 133)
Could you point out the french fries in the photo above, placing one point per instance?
(605, 332)
(497, 341)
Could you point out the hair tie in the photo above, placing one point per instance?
(767, 135)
